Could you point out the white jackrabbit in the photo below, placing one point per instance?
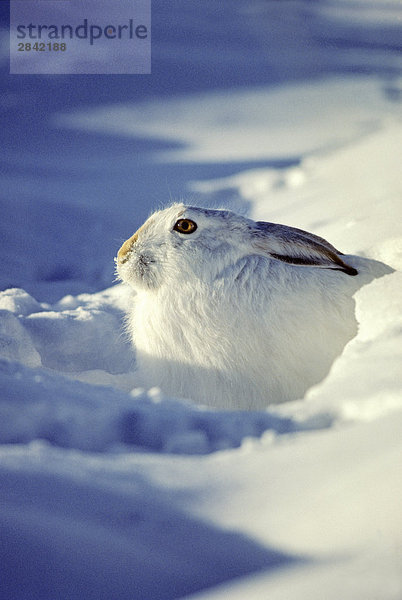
(234, 313)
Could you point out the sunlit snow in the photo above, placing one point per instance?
(111, 491)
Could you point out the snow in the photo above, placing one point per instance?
(111, 491)
(268, 122)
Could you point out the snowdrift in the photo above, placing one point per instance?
(111, 491)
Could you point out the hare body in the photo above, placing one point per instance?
(236, 314)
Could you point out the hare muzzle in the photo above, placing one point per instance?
(124, 252)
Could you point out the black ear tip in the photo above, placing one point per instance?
(351, 271)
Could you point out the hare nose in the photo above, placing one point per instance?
(122, 255)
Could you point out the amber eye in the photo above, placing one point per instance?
(185, 226)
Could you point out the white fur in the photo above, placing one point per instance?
(217, 320)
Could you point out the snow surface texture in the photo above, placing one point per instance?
(110, 491)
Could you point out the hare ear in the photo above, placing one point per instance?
(297, 247)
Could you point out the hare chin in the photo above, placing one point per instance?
(140, 272)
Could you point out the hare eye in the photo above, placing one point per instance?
(185, 226)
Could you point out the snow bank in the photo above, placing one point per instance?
(332, 495)
(37, 404)
(109, 491)
(103, 489)
(282, 123)
(81, 526)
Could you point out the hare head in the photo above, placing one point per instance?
(235, 313)
(202, 243)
